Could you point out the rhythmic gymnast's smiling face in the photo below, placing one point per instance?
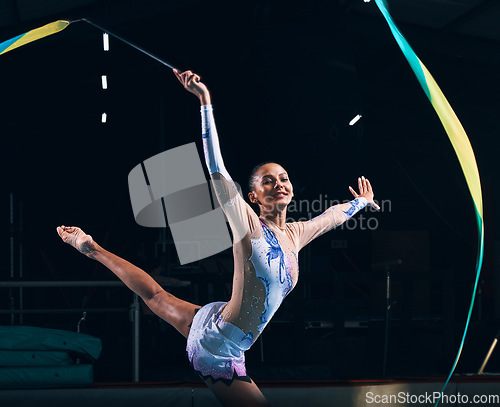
(272, 188)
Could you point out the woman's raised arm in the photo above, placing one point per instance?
(213, 156)
(230, 199)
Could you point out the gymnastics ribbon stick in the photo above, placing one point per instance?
(128, 43)
(461, 144)
(33, 35)
(60, 25)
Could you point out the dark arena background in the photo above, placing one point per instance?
(286, 79)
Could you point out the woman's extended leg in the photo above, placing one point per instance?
(175, 311)
(238, 394)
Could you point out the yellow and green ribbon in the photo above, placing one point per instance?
(33, 35)
(460, 142)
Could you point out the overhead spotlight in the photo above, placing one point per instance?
(355, 120)
(366, 1)
(104, 81)
(105, 41)
(104, 117)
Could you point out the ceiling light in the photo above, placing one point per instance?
(105, 41)
(355, 120)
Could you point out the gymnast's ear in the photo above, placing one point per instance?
(253, 197)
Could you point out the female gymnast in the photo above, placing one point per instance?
(265, 250)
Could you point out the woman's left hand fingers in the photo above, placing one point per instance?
(368, 185)
(365, 190)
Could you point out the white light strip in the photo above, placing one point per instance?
(104, 80)
(355, 120)
(105, 41)
(104, 117)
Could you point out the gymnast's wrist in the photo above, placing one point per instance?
(362, 201)
(205, 98)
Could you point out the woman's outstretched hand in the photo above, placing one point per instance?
(365, 191)
(191, 83)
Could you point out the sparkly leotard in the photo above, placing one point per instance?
(265, 270)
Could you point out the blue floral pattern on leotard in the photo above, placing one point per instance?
(263, 316)
(281, 277)
(274, 250)
(356, 205)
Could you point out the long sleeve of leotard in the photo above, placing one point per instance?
(331, 218)
(239, 214)
(211, 148)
